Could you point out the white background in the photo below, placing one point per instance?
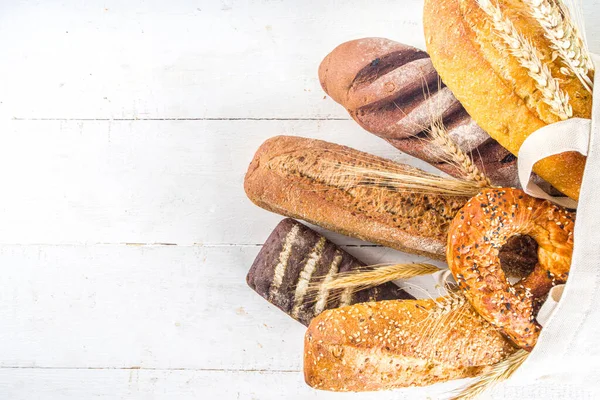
(125, 233)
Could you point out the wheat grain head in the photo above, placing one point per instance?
(530, 59)
(499, 372)
(564, 37)
(371, 276)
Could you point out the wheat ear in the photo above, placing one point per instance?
(499, 372)
(566, 40)
(574, 10)
(530, 59)
(451, 152)
(455, 155)
(440, 320)
(374, 276)
(355, 170)
(395, 179)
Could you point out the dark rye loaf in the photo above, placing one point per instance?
(295, 256)
(393, 91)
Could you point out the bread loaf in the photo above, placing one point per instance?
(293, 258)
(295, 177)
(399, 343)
(468, 48)
(393, 91)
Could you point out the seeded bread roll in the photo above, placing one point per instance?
(296, 177)
(294, 257)
(399, 343)
(469, 52)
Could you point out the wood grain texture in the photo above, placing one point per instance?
(115, 306)
(83, 314)
(206, 59)
(143, 384)
(145, 181)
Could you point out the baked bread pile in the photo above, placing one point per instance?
(499, 70)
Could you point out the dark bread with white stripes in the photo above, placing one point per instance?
(292, 176)
(295, 256)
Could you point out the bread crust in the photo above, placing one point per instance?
(356, 55)
(476, 236)
(491, 85)
(290, 247)
(288, 175)
(393, 91)
(394, 344)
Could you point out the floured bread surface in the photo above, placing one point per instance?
(393, 91)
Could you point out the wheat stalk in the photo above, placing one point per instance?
(352, 169)
(451, 153)
(574, 10)
(499, 372)
(416, 181)
(449, 303)
(530, 59)
(564, 37)
(440, 319)
(372, 276)
(455, 155)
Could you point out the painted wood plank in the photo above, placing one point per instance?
(182, 59)
(145, 181)
(139, 306)
(97, 318)
(117, 306)
(210, 59)
(66, 309)
(133, 384)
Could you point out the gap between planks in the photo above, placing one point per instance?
(209, 245)
(138, 368)
(185, 119)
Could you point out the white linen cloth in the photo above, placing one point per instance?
(568, 350)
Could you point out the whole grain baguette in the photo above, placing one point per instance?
(473, 59)
(399, 343)
(293, 177)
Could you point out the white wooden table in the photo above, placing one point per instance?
(125, 234)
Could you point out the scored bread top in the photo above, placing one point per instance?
(392, 90)
(499, 93)
(354, 61)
